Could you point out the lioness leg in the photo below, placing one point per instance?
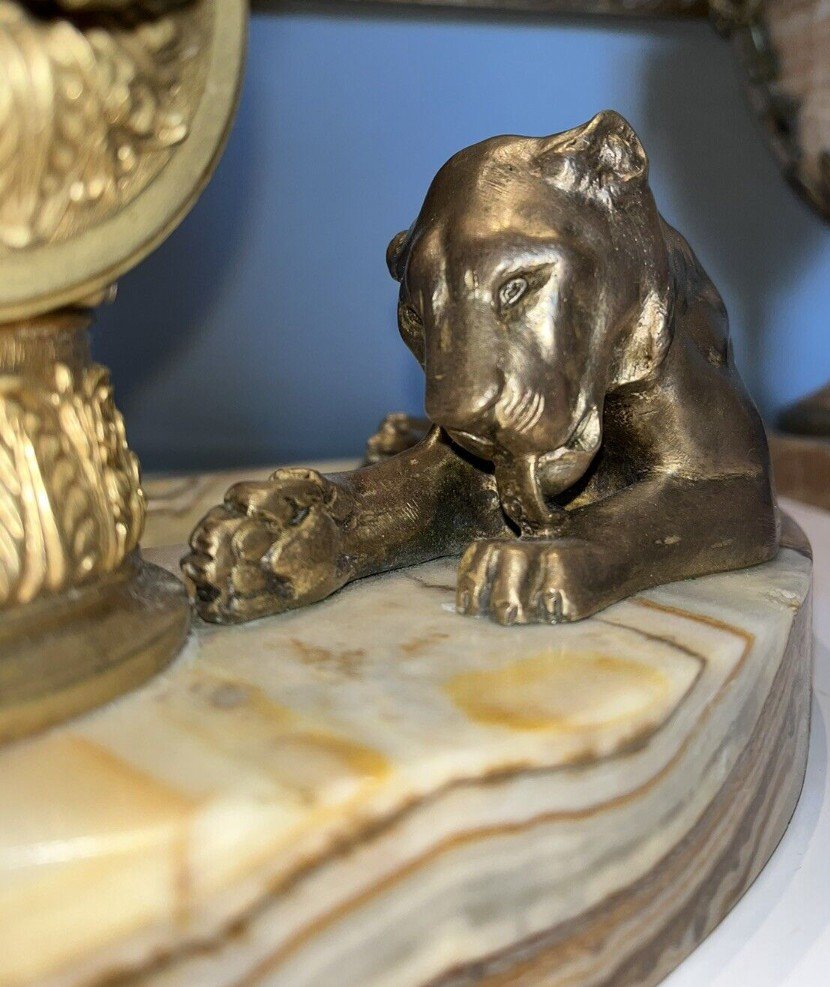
(293, 539)
(654, 532)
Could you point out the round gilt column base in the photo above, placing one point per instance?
(62, 655)
(82, 617)
(92, 182)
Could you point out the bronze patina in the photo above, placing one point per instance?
(591, 436)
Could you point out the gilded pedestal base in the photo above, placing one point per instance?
(112, 117)
(62, 655)
(82, 618)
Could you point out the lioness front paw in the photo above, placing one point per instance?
(272, 546)
(526, 582)
(397, 432)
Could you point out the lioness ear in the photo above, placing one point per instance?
(395, 254)
(603, 153)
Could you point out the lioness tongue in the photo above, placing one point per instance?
(520, 493)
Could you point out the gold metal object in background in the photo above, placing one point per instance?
(784, 49)
(110, 124)
(591, 435)
(112, 116)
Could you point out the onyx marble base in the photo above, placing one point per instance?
(377, 791)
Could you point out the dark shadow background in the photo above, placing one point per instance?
(263, 329)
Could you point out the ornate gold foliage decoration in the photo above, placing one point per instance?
(112, 116)
(71, 504)
(89, 109)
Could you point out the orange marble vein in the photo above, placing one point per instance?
(561, 691)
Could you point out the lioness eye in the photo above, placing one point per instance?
(511, 291)
(411, 317)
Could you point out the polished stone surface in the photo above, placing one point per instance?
(376, 790)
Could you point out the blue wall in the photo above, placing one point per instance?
(264, 330)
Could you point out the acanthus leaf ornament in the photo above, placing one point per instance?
(112, 116)
(88, 112)
(71, 505)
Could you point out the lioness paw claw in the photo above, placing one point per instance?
(528, 582)
(273, 545)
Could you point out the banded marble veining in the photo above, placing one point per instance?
(375, 792)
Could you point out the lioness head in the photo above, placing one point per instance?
(533, 282)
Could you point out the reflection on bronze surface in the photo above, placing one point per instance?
(112, 113)
(591, 435)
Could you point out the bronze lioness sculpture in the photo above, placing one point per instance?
(591, 435)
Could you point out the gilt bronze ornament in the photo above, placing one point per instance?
(783, 48)
(591, 436)
(112, 115)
